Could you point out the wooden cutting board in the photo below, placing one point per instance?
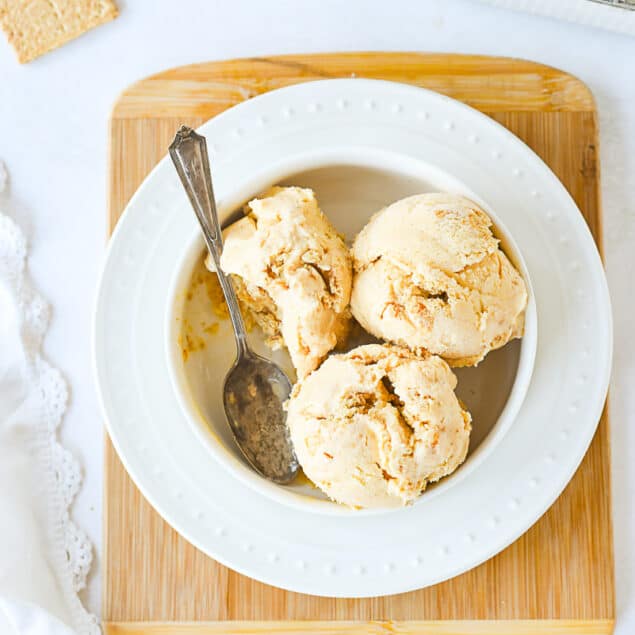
(557, 578)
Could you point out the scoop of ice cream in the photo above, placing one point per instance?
(293, 272)
(429, 274)
(374, 426)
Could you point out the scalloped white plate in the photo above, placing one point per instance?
(444, 535)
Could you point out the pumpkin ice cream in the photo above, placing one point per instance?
(429, 274)
(293, 273)
(374, 426)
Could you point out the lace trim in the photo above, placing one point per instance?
(70, 548)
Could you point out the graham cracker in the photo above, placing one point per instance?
(34, 27)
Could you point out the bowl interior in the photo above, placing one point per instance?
(348, 194)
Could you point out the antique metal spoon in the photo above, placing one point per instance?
(255, 388)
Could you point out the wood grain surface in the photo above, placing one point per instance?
(557, 578)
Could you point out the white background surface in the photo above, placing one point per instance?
(53, 138)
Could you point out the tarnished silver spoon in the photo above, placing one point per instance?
(255, 388)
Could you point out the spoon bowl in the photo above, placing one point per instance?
(254, 392)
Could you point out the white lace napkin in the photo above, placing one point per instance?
(44, 557)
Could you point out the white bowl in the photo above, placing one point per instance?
(351, 184)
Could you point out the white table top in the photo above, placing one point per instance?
(53, 138)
